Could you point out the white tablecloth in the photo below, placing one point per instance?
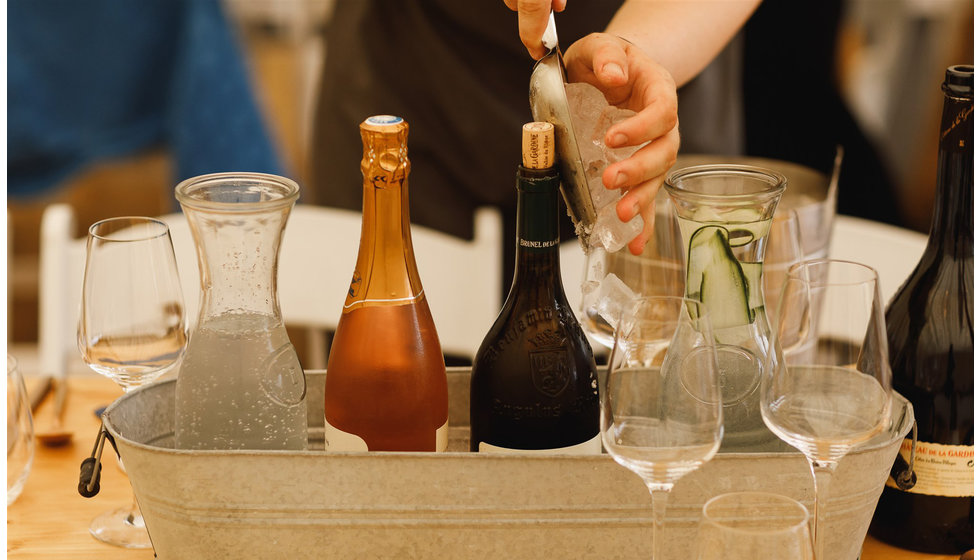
(890, 250)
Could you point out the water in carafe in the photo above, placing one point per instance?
(240, 385)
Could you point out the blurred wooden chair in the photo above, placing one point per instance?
(319, 248)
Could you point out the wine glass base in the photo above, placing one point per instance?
(121, 527)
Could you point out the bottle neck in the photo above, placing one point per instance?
(537, 228)
(385, 271)
(951, 231)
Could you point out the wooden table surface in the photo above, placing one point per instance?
(50, 519)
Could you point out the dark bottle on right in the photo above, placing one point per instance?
(930, 342)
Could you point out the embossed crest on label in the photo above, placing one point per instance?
(551, 372)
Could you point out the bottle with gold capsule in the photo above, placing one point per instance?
(534, 384)
(386, 377)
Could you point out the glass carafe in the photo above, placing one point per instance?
(724, 213)
(240, 385)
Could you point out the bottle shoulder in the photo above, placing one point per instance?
(525, 326)
(938, 290)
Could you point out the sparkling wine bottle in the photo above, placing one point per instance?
(386, 377)
(930, 339)
(534, 384)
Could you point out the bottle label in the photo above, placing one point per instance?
(590, 447)
(339, 440)
(940, 470)
(536, 244)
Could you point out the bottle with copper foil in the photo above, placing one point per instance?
(534, 384)
(386, 376)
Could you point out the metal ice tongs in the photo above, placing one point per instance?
(549, 104)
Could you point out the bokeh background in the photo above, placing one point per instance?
(890, 61)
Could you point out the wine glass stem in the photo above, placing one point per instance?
(659, 494)
(134, 516)
(823, 473)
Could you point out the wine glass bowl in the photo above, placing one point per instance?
(784, 248)
(132, 328)
(660, 413)
(754, 526)
(612, 280)
(20, 432)
(827, 383)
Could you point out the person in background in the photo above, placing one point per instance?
(698, 81)
(771, 92)
(105, 79)
(458, 73)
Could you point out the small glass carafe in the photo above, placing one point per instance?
(724, 213)
(240, 385)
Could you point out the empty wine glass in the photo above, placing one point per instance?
(132, 327)
(661, 402)
(754, 526)
(827, 383)
(783, 249)
(612, 280)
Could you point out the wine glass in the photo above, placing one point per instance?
(784, 248)
(754, 526)
(827, 382)
(661, 402)
(131, 328)
(20, 432)
(612, 280)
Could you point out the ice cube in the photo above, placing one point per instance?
(585, 101)
(614, 296)
(609, 116)
(612, 233)
(596, 269)
(591, 118)
(589, 286)
(601, 196)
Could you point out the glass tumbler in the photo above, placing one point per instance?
(20, 432)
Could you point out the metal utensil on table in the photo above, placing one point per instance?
(41, 392)
(55, 434)
(549, 104)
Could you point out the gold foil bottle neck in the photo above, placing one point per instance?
(538, 145)
(385, 159)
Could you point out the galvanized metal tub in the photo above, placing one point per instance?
(279, 504)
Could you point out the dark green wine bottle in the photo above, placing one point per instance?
(930, 342)
(534, 384)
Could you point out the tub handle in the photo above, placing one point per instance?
(903, 473)
(90, 472)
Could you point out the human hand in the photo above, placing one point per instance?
(532, 20)
(630, 79)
